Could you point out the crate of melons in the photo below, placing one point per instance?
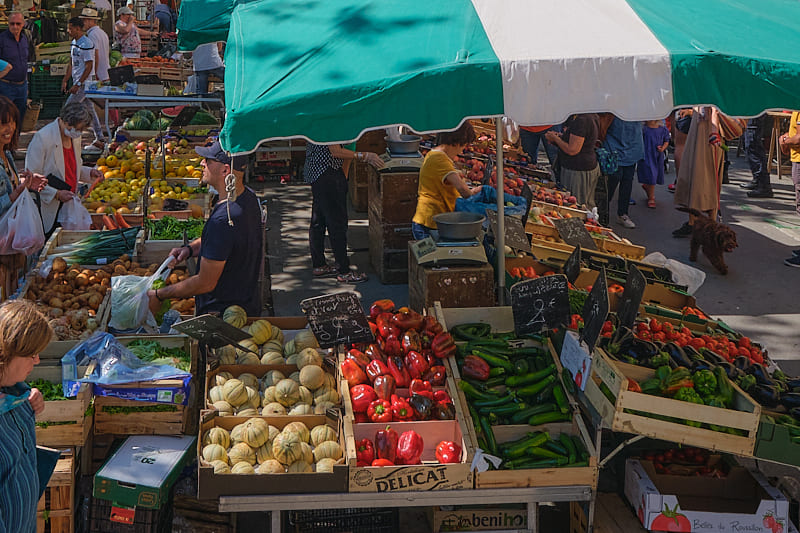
(306, 452)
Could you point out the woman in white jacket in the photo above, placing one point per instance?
(55, 150)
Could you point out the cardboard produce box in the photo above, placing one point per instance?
(743, 501)
(142, 471)
(478, 518)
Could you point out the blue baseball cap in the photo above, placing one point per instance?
(216, 153)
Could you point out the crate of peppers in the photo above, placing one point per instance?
(403, 428)
(519, 406)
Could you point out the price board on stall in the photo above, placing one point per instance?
(540, 304)
(573, 232)
(628, 306)
(572, 266)
(337, 319)
(595, 310)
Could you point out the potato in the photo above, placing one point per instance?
(56, 302)
(172, 279)
(95, 300)
(120, 270)
(59, 265)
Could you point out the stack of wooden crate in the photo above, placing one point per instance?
(56, 510)
(392, 202)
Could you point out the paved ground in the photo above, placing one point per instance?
(759, 296)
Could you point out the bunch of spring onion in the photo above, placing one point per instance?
(99, 248)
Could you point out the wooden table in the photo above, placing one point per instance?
(774, 147)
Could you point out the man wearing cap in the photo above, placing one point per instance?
(128, 35)
(14, 50)
(99, 38)
(229, 249)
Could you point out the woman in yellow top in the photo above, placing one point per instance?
(440, 184)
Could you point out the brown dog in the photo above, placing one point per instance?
(713, 237)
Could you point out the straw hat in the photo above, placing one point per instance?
(90, 13)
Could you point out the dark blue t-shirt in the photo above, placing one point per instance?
(240, 247)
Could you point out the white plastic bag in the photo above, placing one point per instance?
(191, 85)
(73, 216)
(21, 227)
(129, 303)
(682, 274)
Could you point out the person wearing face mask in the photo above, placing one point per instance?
(55, 152)
(229, 249)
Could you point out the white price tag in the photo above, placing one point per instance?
(575, 357)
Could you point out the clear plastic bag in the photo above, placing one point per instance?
(73, 216)
(129, 302)
(111, 363)
(683, 274)
(21, 227)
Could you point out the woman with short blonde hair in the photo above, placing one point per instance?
(24, 333)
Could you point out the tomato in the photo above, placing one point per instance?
(671, 520)
(659, 336)
(655, 325)
(685, 331)
(745, 342)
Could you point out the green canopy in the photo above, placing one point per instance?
(203, 21)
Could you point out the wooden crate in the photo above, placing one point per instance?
(572, 212)
(62, 237)
(358, 185)
(372, 141)
(452, 286)
(133, 219)
(55, 512)
(58, 434)
(137, 423)
(611, 515)
(63, 48)
(628, 413)
(393, 196)
(609, 246)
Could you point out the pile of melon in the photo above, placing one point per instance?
(265, 339)
(255, 447)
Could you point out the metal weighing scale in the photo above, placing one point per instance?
(449, 253)
(401, 162)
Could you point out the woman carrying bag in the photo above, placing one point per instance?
(55, 152)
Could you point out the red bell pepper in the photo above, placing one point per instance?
(359, 357)
(380, 411)
(365, 452)
(443, 345)
(380, 306)
(386, 444)
(374, 352)
(431, 326)
(384, 386)
(361, 396)
(448, 452)
(398, 370)
(360, 418)
(417, 364)
(411, 341)
(406, 318)
(421, 387)
(475, 368)
(401, 410)
(428, 355)
(436, 375)
(409, 448)
(353, 373)
(441, 396)
(383, 321)
(376, 368)
(392, 346)
(382, 462)
(373, 329)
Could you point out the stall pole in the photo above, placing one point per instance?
(500, 238)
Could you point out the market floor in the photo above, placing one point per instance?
(759, 296)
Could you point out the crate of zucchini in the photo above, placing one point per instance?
(116, 416)
(702, 408)
(519, 408)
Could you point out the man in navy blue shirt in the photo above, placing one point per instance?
(14, 50)
(229, 249)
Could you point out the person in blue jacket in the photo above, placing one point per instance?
(24, 332)
(624, 138)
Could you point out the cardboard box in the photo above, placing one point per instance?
(773, 442)
(743, 501)
(149, 90)
(478, 518)
(141, 472)
(211, 486)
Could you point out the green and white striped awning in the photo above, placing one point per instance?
(328, 71)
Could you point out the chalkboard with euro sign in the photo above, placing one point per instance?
(573, 232)
(628, 306)
(512, 229)
(572, 266)
(540, 304)
(595, 311)
(337, 319)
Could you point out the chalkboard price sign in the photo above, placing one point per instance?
(631, 297)
(513, 229)
(572, 266)
(337, 318)
(574, 233)
(540, 304)
(595, 310)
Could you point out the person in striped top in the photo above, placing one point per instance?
(24, 332)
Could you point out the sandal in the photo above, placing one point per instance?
(352, 277)
(651, 204)
(324, 271)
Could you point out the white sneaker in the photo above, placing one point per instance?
(626, 221)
